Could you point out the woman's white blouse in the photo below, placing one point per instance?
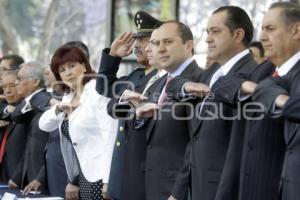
(92, 130)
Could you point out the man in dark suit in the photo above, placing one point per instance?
(291, 108)
(264, 146)
(14, 134)
(281, 40)
(30, 85)
(213, 156)
(167, 137)
(127, 177)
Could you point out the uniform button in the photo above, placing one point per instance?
(118, 143)
(121, 128)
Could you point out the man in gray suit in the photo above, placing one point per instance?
(167, 137)
(281, 40)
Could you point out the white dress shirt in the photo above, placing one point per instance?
(224, 69)
(92, 131)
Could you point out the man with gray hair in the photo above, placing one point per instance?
(280, 37)
(30, 85)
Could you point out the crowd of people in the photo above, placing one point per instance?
(169, 130)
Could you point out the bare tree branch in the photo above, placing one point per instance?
(7, 31)
(48, 29)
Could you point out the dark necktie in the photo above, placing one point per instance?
(163, 92)
(3, 143)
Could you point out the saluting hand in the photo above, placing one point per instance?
(122, 45)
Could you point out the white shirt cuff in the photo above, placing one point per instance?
(243, 97)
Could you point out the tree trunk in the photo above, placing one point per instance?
(7, 31)
(48, 29)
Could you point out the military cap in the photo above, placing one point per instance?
(145, 24)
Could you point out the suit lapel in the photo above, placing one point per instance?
(196, 123)
(248, 57)
(154, 91)
(11, 127)
(140, 85)
(293, 73)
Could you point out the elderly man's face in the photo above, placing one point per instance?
(276, 37)
(10, 89)
(25, 84)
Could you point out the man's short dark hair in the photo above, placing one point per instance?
(15, 61)
(259, 46)
(290, 11)
(238, 18)
(184, 31)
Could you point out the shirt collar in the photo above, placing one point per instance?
(27, 99)
(182, 67)
(230, 63)
(161, 73)
(288, 65)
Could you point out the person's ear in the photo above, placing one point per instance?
(189, 45)
(36, 83)
(239, 35)
(296, 31)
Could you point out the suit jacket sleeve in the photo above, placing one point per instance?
(18, 116)
(49, 121)
(266, 93)
(107, 73)
(175, 87)
(291, 109)
(17, 174)
(40, 101)
(227, 88)
(41, 177)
